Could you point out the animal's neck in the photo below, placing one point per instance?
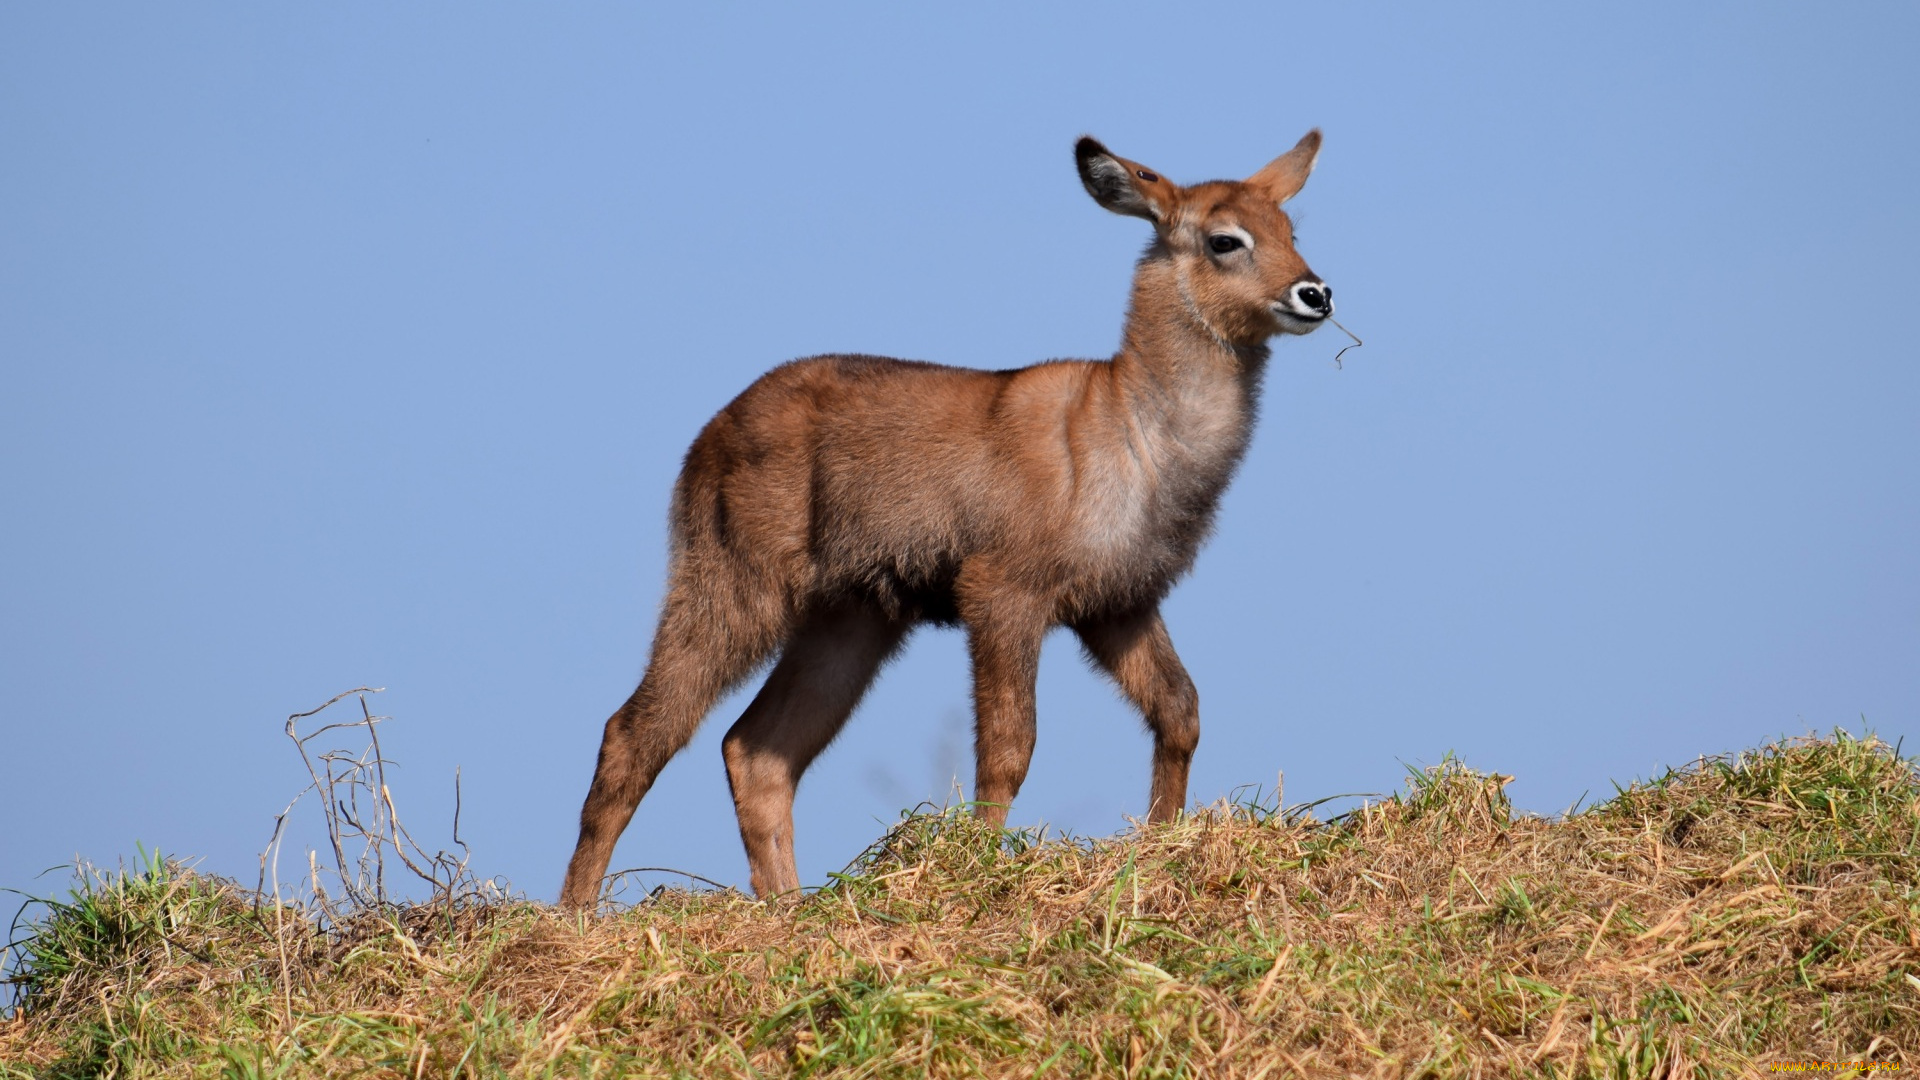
(1193, 393)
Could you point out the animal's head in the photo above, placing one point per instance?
(1230, 243)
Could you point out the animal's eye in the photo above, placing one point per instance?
(1224, 243)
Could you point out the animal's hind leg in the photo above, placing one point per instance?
(825, 670)
(711, 636)
(1136, 651)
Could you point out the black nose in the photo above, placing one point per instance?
(1316, 297)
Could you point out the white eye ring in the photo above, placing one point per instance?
(1229, 240)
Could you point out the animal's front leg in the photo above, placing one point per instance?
(1004, 630)
(1135, 650)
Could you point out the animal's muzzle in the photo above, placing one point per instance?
(1311, 299)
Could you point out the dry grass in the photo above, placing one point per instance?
(1754, 909)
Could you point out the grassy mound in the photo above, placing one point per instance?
(1743, 911)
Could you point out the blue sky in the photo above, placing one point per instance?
(361, 346)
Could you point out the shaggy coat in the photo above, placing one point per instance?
(842, 500)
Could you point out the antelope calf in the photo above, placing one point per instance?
(843, 500)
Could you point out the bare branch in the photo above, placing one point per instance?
(341, 777)
(1356, 341)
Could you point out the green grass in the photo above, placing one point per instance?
(1758, 908)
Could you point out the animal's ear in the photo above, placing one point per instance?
(1122, 186)
(1285, 175)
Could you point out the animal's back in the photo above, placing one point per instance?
(882, 477)
(857, 472)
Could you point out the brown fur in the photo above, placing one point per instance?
(841, 500)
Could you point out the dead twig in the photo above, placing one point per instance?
(1356, 341)
(362, 834)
